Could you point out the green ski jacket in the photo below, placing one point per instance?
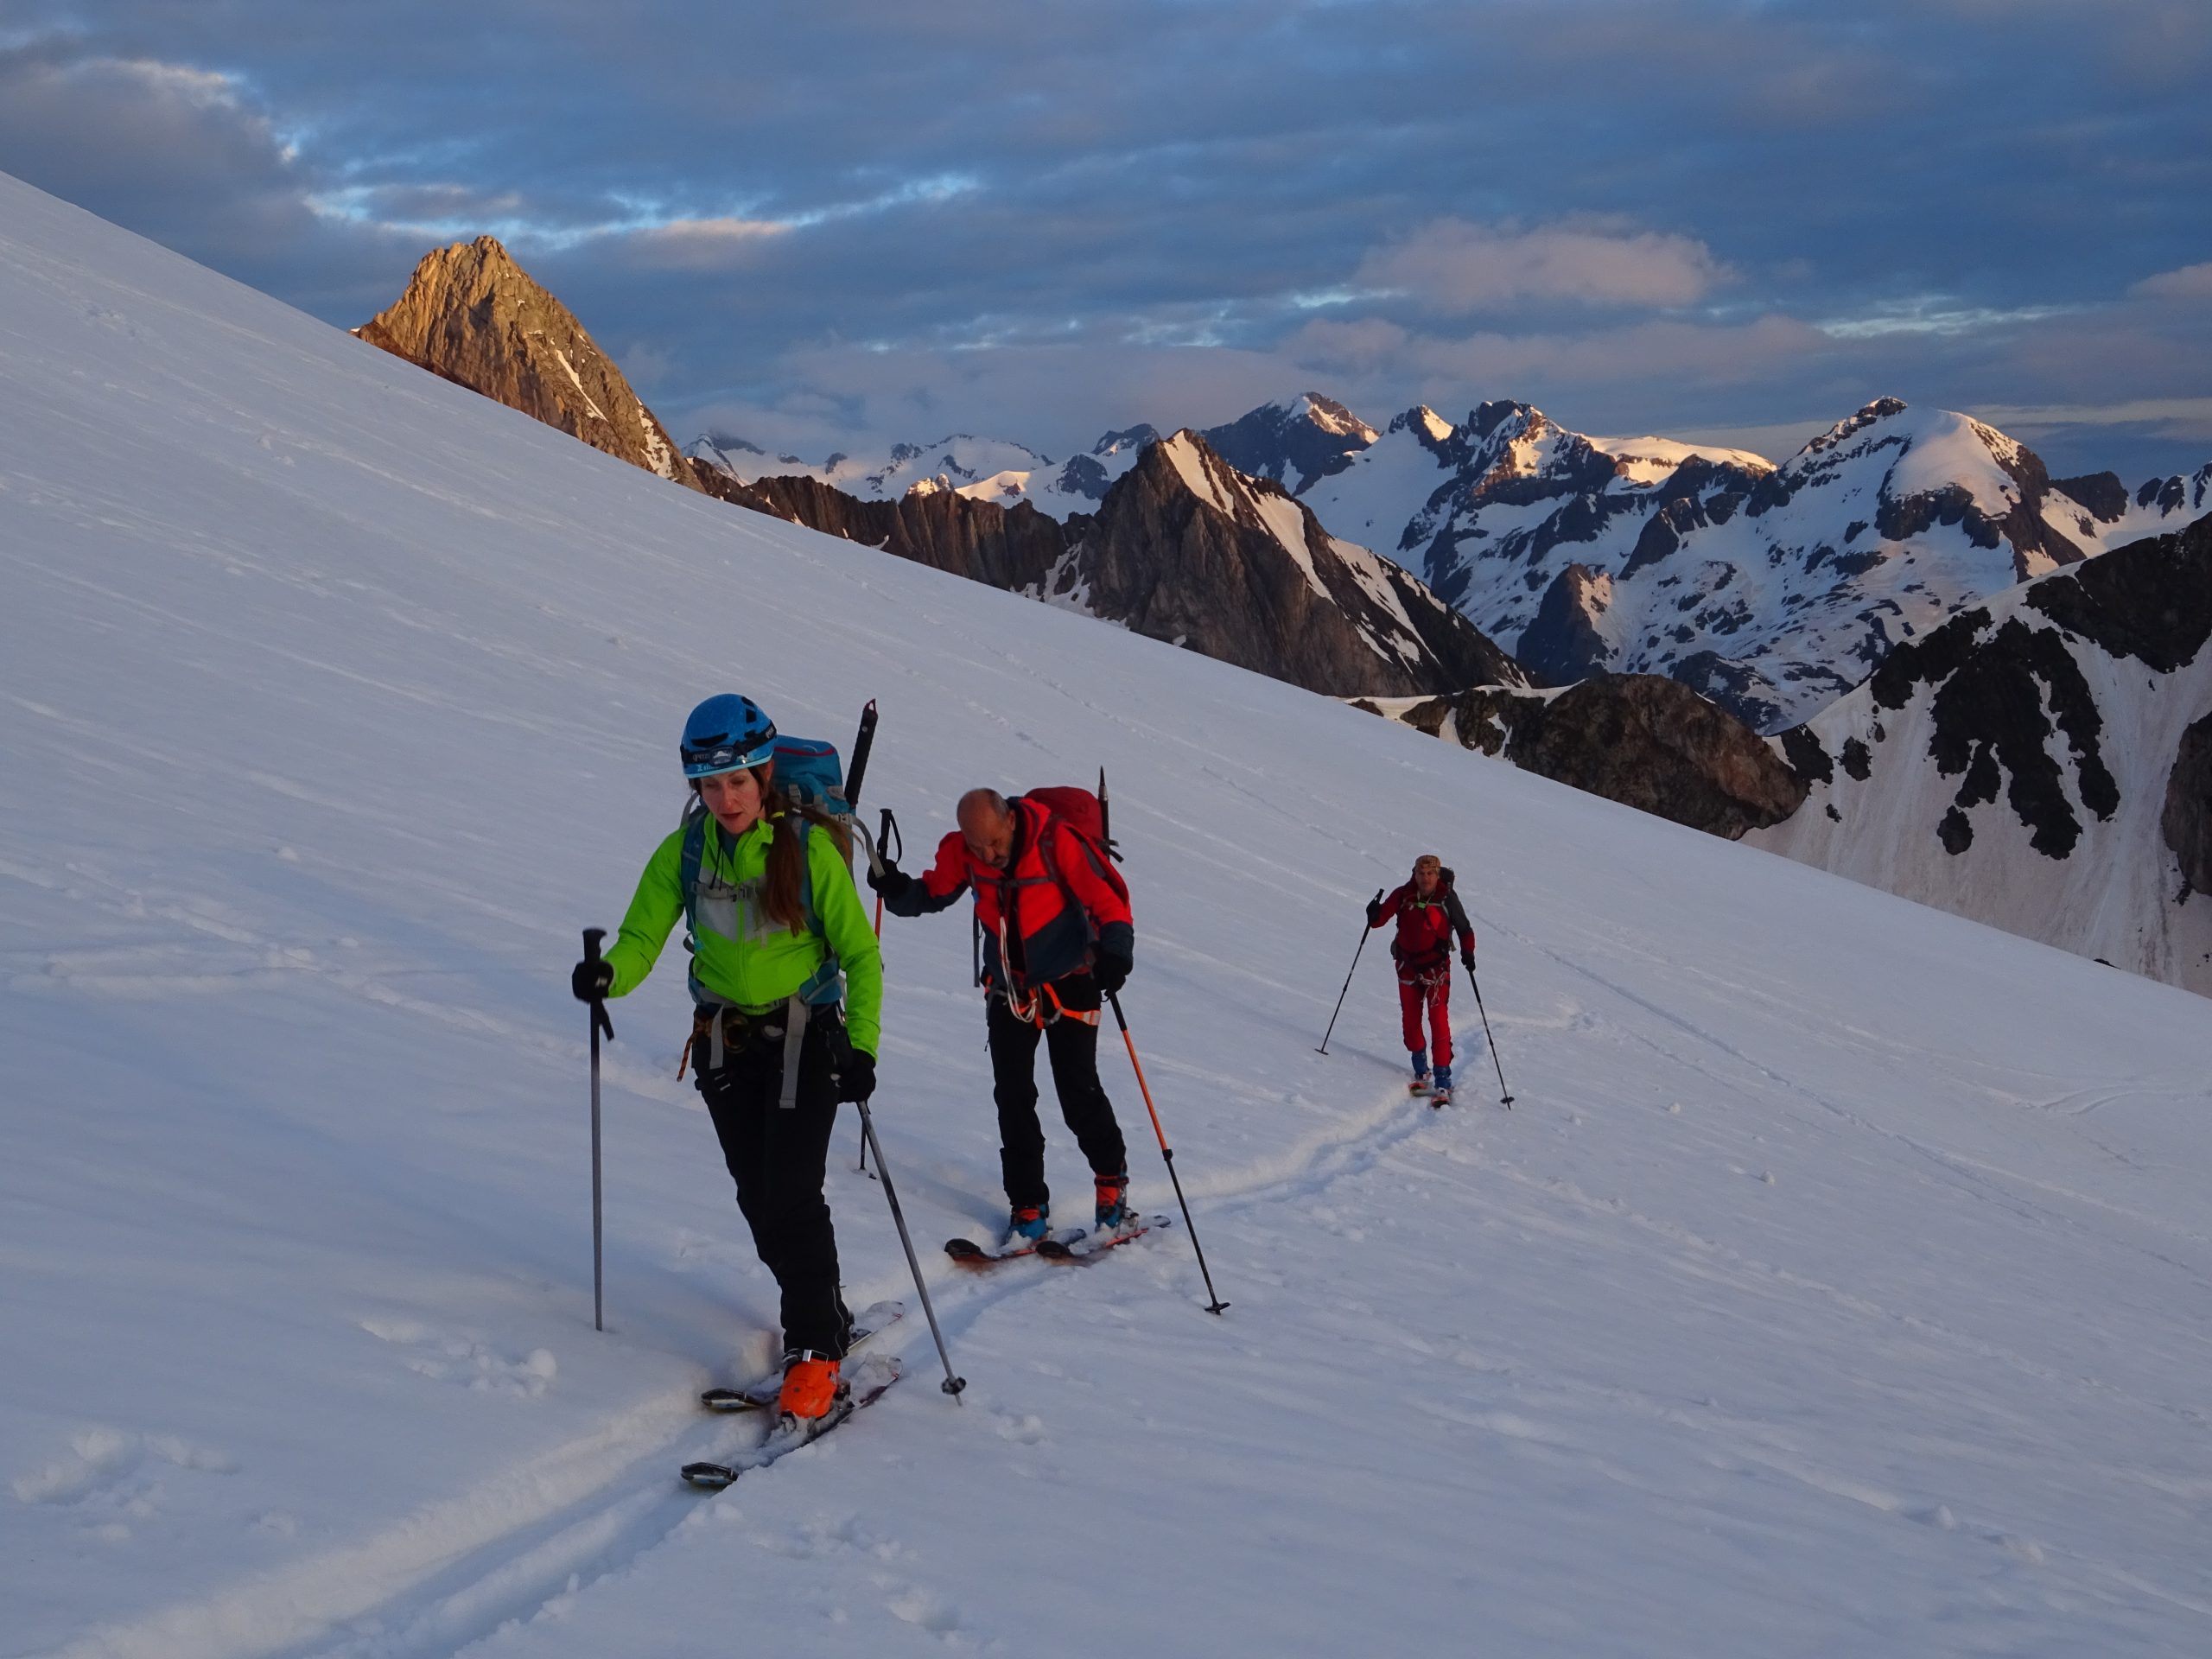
(758, 964)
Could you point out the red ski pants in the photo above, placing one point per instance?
(1435, 995)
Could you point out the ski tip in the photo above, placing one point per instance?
(708, 1476)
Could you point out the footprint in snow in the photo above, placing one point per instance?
(459, 1358)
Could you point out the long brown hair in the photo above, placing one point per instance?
(783, 888)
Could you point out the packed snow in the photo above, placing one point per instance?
(1836, 1285)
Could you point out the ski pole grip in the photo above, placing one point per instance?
(600, 1022)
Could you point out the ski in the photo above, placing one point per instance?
(969, 1254)
(762, 1396)
(1090, 1246)
(871, 1381)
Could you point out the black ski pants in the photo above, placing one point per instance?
(778, 1157)
(1072, 1045)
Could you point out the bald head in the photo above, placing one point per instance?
(987, 825)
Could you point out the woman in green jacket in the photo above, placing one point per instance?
(776, 924)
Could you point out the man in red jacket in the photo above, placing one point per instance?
(1429, 915)
(1057, 938)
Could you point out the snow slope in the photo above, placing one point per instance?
(1824, 1293)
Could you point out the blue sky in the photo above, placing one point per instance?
(816, 224)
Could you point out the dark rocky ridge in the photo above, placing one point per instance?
(1642, 740)
(2185, 821)
(1176, 567)
(1014, 547)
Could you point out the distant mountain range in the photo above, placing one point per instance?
(1771, 589)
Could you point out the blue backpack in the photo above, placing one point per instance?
(810, 770)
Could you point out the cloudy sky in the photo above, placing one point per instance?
(814, 225)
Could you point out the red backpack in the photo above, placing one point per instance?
(1080, 811)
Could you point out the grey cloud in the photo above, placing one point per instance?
(1002, 210)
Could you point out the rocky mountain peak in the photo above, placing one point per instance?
(1188, 549)
(474, 316)
(1295, 441)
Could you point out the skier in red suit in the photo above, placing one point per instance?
(1429, 917)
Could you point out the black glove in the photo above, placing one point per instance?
(1467, 956)
(856, 1074)
(1374, 911)
(592, 980)
(1111, 970)
(891, 882)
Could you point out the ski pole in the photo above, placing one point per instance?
(1349, 972)
(951, 1385)
(598, 1022)
(1504, 1099)
(1167, 1152)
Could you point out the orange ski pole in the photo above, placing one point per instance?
(1167, 1152)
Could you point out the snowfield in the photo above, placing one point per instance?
(1839, 1285)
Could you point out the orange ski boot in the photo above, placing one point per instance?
(811, 1384)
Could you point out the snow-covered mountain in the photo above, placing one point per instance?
(1295, 441)
(1772, 590)
(995, 470)
(2098, 512)
(2042, 762)
(1831, 1288)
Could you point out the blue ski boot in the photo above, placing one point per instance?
(1419, 1085)
(1113, 1212)
(1026, 1225)
(1440, 1093)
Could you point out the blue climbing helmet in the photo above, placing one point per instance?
(726, 732)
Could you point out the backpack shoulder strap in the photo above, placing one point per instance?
(695, 850)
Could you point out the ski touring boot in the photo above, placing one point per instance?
(1440, 1092)
(1421, 1083)
(1113, 1214)
(1026, 1225)
(812, 1385)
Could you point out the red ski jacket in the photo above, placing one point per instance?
(1425, 928)
(1032, 933)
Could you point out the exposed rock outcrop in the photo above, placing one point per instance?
(475, 317)
(1187, 549)
(1013, 548)
(1642, 740)
(1564, 645)
(2185, 822)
